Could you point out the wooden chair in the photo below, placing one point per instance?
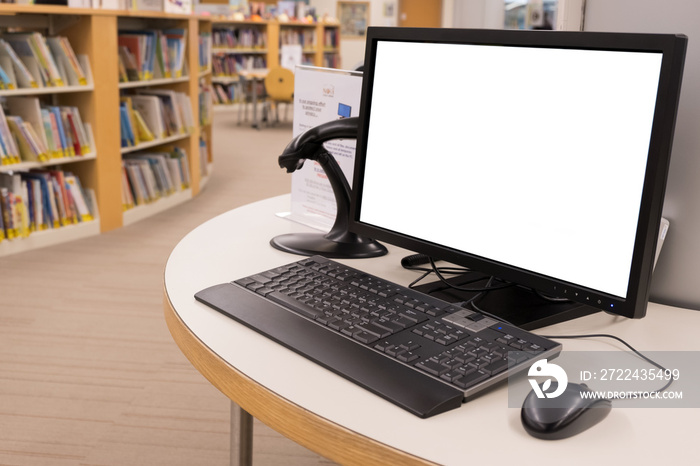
(279, 88)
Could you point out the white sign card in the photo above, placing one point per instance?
(291, 56)
(322, 95)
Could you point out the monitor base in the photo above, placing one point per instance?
(517, 305)
(310, 244)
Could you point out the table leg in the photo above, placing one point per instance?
(241, 437)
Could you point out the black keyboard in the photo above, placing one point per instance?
(420, 353)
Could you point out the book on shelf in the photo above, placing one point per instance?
(133, 124)
(5, 81)
(246, 38)
(29, 148)
(8, 145)
(176, 40)
(304, 37)
(205, 49)
(331, 60)
(40, 200)
(154, 114)
(224, 94)
(15, 68)
(147, 177)
(177, 110)
(139, 44)
(30, 132)
(150, 109)
(67, 61)
(128, 66)
(31, 60)
(34, 52)
(148, 5)
(205, 103)
(330, 38)
(128, 138)
(151, 54)
(178, 6)
(203, 157)
(230, 65)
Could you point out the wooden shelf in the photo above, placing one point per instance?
(40, 239)
(227, 22)
(153, 82)
(51, 162)
(225, 79)
(228, 50)
(46, 90)
(154, 143)
(94, 34)
(164, 203)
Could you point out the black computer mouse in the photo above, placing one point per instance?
(564, 416)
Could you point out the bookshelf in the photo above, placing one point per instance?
(239, 44)
(304, 34)
(205, 110)
(330, 55)
(320, 47)
(94, 34)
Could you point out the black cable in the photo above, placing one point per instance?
(606, 335)
(552, 299)
(425, 274)
(437, 273)
(414, 261)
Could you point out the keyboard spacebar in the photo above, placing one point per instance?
(401, 385)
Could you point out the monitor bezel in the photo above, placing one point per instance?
(672, 46)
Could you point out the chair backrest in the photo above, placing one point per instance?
(279, 84)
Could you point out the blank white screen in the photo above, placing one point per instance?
(532, 157)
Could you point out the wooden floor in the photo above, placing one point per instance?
(88, 372)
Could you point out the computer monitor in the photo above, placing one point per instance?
(537, 157)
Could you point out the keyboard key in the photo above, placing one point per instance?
(414, 316)
(302, 308)
(434, 311)
(383, 345)
(431, 366)
(395, 351)
(445, 340)
(244, 282)
(408, 356)
(498, 365)
(365, 337)
(264, 291)
(450, 376)
(375, 329)
(260, 278)
(410, 345)
(389, 325)
(350, 330)
(468, 380)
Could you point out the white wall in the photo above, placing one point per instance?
(455, 13)
(675, 279)
(477, 14)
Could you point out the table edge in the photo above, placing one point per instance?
(313, 432)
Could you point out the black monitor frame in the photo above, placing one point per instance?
(673, 48)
